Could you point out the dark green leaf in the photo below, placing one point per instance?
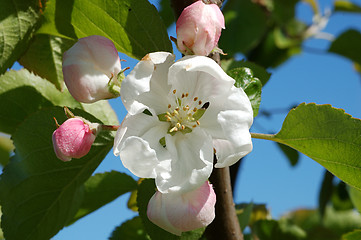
(340, 198)
(252, 86)
(283, 230)
(291, 154)
(258, 71)
(328, 136)
(346, 6)
(145, 191)
(355, 235)
(267, 54)
(135, 27)
(18, 21)
(348, 45)
(244, 214)
(39, 193)
(6, 147)
(166, 12)
(103, 188)
(44, 57)
(284, 11)
(245, 26)
(130, 230)
(325, 192)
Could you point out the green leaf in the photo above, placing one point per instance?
(17, 87)
(166, 12)
(355, 235)
(290, 153)
(282, 230)
(146, 190)
(39, 193)
(327, 135)
(348, 45)
(19, 19)
(252, 86)
(6, 147)
(346, 6)
(340, 198)
(325, 192)
(130, 230)
(284, 11)
(244, 214)
(245, 26)
(135, 27)
(258, 71)
(103, 188)
(355, 196)
(44, 57)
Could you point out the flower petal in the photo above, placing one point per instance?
(150, 72)
(180, 213)
(235, 120)
(192, 162)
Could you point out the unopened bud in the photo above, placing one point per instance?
(199, 28)
(91, 68)
(177, 213)
(73, 138)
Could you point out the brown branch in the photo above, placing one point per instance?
(225, 226)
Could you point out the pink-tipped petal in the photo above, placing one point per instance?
(88, 67)
(179, 213)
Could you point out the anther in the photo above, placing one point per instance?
(200, 102)
(195, 109)
(183, 127)
(183, 95)
(174, 91)
(174, 129)
(195, 99)
(187, 94)
(195, 125)
(169, 106)
(178, 125)
(198, 123)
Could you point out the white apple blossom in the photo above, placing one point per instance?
(180, 114)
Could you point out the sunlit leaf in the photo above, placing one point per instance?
(27, 93)
(346, 6)
(135, 27)
(44, 57)
(258, 71)
(327, 135)
(18, 21)
(6, 147)
(251, 85)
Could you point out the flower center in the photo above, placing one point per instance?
(184, 115)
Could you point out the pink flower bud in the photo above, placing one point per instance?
(88, 67)
(199, 28)
(73, 139)
(177, 213)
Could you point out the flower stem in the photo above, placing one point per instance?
(264, 136)
(109, 127)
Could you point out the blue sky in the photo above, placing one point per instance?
(266, 175)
